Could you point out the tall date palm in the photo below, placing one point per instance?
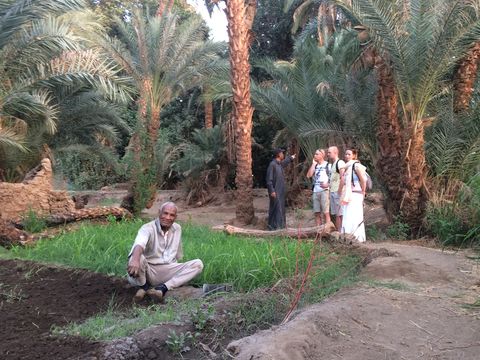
(165, 58)
(240, 15)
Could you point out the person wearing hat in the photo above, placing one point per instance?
(277, 189)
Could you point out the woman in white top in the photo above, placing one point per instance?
(352, 189)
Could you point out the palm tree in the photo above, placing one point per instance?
(86, 149)
(240, 20)
(87, 123)
(317, 97)
(41, 50)
(87, 118)
(240, 17)
(164, 58)
(417, 44)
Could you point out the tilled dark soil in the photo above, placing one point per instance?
(35, 297)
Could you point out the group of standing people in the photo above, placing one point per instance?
(338, 190)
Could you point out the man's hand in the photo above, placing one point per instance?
(133, 268)
(314, 162)
(273, 195)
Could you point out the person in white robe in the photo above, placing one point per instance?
(353, 189)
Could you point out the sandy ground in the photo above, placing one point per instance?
(222, 210)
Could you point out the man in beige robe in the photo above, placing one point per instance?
(152, 265)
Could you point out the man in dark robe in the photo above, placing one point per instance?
(277, 190)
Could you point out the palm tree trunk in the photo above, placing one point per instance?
(143, 143)
(154, 125)
(415, 196)
(388, 136)
(465, 78)
(401, 162)
(208, 114)
(242, 108)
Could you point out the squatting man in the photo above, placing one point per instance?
(152, 265)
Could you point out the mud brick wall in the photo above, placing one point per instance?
(37, 194)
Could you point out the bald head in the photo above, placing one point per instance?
(332, 153)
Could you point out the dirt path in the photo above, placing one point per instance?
(410, 306)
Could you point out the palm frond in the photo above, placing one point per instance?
(453, 143)
(299, 14)
(310, 95)
(174, 57)
(77, 67)
(168, 155)
(39, 43)
(16, 13)
(35, 108)
(86, 118)
(204, 152)
(10, 138)
(421, 39)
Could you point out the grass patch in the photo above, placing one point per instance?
(374, 233)
(10, 294)
(244, 262)
(331, 272)
(114, 324)
(4, 253)
(100, 248)
(109, 202)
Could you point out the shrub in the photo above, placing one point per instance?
(33, 223)
(87, 170)
(375, 233)
(398, 230)
(456, 221)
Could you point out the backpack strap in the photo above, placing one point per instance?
(336, 166)
(353, 171)
(314, 177)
